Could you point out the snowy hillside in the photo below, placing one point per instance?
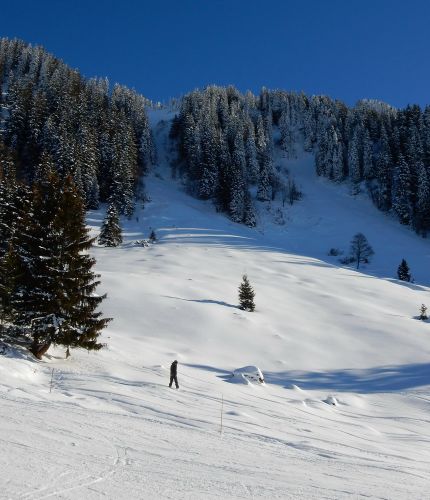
(106, 425)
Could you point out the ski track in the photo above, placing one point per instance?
(111, 428)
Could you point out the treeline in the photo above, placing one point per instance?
(47, 284)
(98, 135)
(226, 149)
(225, 146)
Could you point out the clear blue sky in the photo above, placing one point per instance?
(347, 49)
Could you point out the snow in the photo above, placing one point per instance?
(109, 426)
(249, 374)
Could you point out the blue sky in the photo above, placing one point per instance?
(347, 49)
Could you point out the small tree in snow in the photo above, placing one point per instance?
(403, 271)
(423, 313)
(110, 234)
(152, 237)
(361, 251)
(246, 295)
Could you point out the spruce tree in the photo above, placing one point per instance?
(402, 192)
(423, 313)
(54, 295)
(111, 234)
(38, 246)
(81, 323)
(152, 236)
(9, 276)
(403, 271)
(246, 295)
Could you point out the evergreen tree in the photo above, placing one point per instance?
(263, 190)
(402, 192)
(9, 276)
(252, 166)
(368, 170)
(110, 233)
(36, 295)
(249, 216)
(403, 271)
(246, 295)
(423, 313)
(54, 298)
(384, 175)
(360, 251)
(354, 162)
(422, 209)
(152, 236)
(81, 323)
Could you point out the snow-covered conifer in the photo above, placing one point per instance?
(110, 233)
(246, 295)
(403, 271)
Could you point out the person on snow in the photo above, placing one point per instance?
(174, 374)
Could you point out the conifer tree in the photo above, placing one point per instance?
(54, 297)
(9, 276)
(110, 233)
(422, 209)
(368, 172)
(423, 313)
(402, 192)
(263, 190)
(80, 323)
(353, 162)
(246, 295)
(249, 217)
(403, 271)
(384, 175)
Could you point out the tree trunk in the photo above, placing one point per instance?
(38, 350)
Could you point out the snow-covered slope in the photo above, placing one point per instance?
(112, 428)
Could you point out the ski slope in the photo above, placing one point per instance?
(105, 425)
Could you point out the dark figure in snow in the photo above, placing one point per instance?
(174, 374)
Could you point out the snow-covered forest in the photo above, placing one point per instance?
(274, 244)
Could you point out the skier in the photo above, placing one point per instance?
(174, 374)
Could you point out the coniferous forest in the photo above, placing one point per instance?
(68, 143)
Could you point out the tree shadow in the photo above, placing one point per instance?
(373, 380)
(204, 301)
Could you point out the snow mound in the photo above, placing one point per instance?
(249, 374)
(331, 400)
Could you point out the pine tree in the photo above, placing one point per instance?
(422, 209)
(249, 216)
(38, 246)
(263, 190)
(403, 271)
(368, 170)
(110, 233)
(402, 192)
(423, 313)
(360, 251)
(9, 277)
(246, 295)
(80, 324)
(152, 236)
(353, 162)
(383, 169)
(54, 297)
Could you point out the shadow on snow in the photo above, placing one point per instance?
(372, 380)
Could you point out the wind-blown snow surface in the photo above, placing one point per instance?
(112, 428)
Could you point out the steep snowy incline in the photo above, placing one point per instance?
(321, 333)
